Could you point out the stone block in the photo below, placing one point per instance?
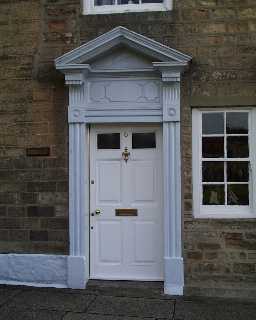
(18, 235)
(10, 223)
(47, 186)
(38, 235)
(40, 211)
(240, 244)
(4, 235)
(194, 255)
(16, 211)
(208, 246)
(244, 268)
(3, 211)
(54, 223)
(28, 198)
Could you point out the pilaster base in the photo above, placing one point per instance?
(174, 276)
(76, 272)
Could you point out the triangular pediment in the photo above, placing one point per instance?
(121, 48)
(121, 58)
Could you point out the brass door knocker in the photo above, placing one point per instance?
(126, 154)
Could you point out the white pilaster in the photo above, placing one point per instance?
(78, 267)
(173, 261)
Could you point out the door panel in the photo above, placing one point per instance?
(143, 181)
(108, 172)
(126, 247)
(110, 241)
(144, 251)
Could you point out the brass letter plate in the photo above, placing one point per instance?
(126, 212)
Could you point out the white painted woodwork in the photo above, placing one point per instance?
(127, 248)
(221, 211)
(174, 270)
(130, 88)
(89, 7)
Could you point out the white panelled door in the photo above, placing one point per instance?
(126, 221)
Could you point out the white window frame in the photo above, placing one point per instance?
(90, 8)
(222, 211)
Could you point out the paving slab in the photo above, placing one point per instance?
(214, 309)
(127, 289)
(17, 314)
(135, 307)
(51, 300)
(84, 316)
(7, 292)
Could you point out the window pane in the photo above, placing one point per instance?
(213, 195)
(152, 1)
(128, 1)
(237, 147)
(143, 140)
(237, 122)
(213, 123)
(104, 2)
(108, 141)
(213, 147)
(238, 194)
(213, 171)
(237, 171)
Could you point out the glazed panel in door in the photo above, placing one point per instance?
(126, 247)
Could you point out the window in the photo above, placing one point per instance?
(108, 141)
(143, 140)
(223, 162)
(115, 6)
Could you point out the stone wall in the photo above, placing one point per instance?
(220, 255)
(33, 190)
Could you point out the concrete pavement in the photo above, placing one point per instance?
(105, 300)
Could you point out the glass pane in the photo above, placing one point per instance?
(143, 140)
(237, 171)
(128, 1)
(213, 123)
(213, 194)
(108, 141)
(237, 122)
(213, 147)
(152, 1)
(238, 194)
(213, 171)
(237, 147)
(104, 2)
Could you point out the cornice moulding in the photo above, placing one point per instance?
(121, 36)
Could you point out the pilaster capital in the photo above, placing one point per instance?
(170, 71)
(74, 78)
(76, 114)
(75, 74)
(171, 102)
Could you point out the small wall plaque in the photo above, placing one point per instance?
(126, 212)
(38, 152)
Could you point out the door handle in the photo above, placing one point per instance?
(97, 211)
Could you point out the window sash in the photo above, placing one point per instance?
(90, 8)
(221, 211)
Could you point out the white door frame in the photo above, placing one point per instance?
(157, 88)
(78, 261)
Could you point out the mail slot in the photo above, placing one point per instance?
(126, 212)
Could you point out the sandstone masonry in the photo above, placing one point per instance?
(220, 255)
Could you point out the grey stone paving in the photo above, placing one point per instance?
(106, 300)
